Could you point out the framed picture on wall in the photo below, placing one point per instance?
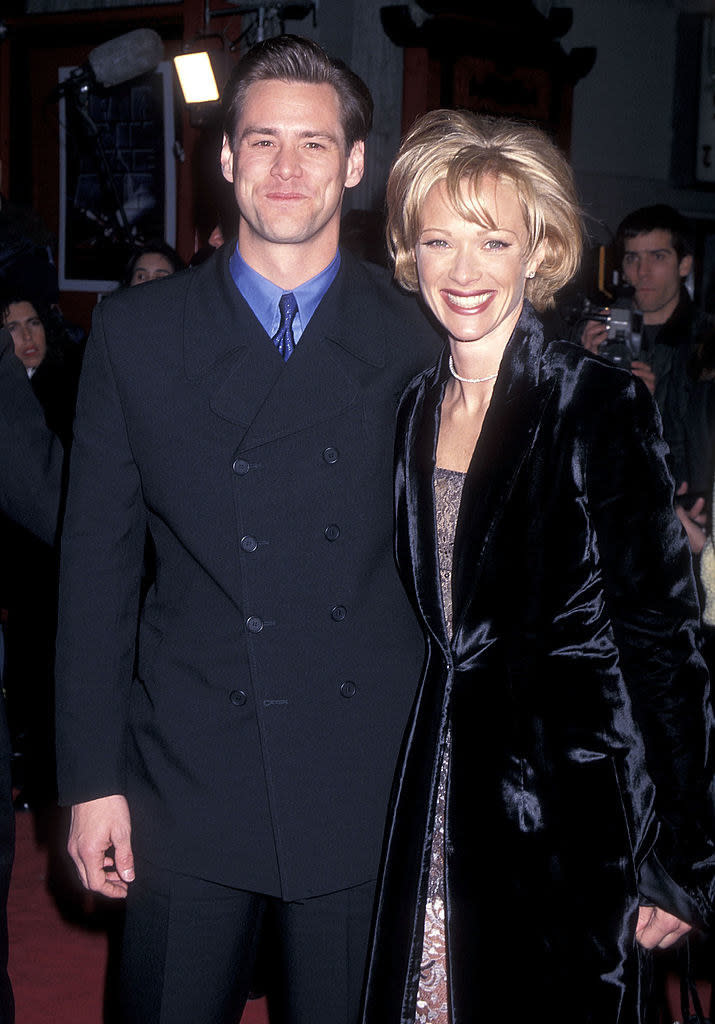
(117, 176)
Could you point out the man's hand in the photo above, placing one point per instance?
(100, 845)
(642, 370)
(657, 929)
(694, 519)
(593, 335)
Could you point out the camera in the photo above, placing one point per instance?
(625, 327)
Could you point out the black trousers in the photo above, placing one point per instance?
(191, 947)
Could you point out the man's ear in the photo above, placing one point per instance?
(226, 159)
(685, 265)
(356, 164)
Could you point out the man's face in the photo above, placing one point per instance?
(652, 267)
(289, 167)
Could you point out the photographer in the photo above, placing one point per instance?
(656, 249)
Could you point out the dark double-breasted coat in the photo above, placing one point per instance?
(581, 775)
(255, 722)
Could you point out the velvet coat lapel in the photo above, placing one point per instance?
(508, 432)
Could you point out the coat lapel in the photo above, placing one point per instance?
(509, 431)
(507, 436)
(419, 448)
(251, 385)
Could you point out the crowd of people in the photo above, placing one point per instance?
(380, 674)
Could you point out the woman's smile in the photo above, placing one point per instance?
(475, 302)
(471, 272)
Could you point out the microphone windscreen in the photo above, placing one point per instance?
(121, 59)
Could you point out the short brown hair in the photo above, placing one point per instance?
(458, 147)
(293, 59)
(659, 217)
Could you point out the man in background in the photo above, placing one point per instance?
(655, 244)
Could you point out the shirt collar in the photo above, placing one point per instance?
(263, 296)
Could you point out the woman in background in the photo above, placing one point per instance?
(29, 572)
(52, 360)
(151, 261)
(552, 814)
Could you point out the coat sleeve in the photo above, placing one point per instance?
(101, 564)
(653, 606)
(30, 454)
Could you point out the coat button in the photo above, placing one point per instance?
(248, 543)
(332, 532)
(254, 624)
(331, 455)
(241, 467)
(238, 698)
(347, 689)
(338, 613)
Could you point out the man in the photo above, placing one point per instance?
(657, 256)
(30, 474)
(229, 770)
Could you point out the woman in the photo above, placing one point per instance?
(553, 801)
(51, 360)
(150, 262)
(29, 575)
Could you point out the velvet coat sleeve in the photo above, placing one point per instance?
(650, 594)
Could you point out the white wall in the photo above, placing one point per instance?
(622, 120)
(353, 32)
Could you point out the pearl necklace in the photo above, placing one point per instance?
(469, 380)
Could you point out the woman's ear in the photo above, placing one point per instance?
(535, 260)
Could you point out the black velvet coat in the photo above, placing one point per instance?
(580, 779)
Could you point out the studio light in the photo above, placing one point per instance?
(196, 77)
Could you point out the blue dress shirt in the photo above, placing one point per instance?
(263, 296)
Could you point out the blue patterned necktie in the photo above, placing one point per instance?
(283, 338)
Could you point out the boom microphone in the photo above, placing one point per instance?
(116, 61)
(126, 57)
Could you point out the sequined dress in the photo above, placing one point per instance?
(432, 996)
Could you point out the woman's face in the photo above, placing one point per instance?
(472, 277)
(150, 266)
(28, 333)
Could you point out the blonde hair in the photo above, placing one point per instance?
(462, 149)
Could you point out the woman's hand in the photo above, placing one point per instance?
(694, 519)
(657, 929)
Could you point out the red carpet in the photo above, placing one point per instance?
(60, 940)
